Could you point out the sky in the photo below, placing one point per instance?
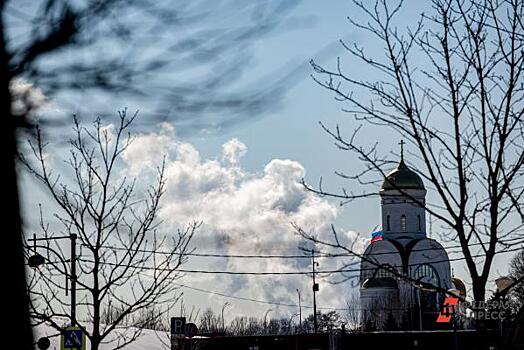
(242, 181)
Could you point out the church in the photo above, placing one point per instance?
(403, 247)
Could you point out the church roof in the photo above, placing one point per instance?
(402, 177)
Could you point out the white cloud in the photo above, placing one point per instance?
(242, 213)
(27, 98)
(147, 150)
(233, 150)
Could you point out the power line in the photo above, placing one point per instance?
(268, 273)
(280, 256)
(267, 302)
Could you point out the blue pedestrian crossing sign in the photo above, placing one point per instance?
(73, 338)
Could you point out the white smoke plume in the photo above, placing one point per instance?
(242, 213)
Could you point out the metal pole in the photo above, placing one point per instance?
(226, 304)
(455, 340)
(299, 310)
(73, 279)
(315, 288)
(72, 270)
(265, 319)
(419, 309)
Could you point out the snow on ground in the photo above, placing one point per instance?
(148, 340)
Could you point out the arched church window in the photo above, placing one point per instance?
(419, 223)
(403, 223)
(426, 273)
(382, 272)
(427, 299)
(387, 224)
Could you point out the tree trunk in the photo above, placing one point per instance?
(95, 343)
(479, 288)
(16, 297)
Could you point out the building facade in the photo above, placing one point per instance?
(404, 250)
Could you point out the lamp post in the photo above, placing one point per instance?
(315, 290)
(299, 310)
(36, 260)
(421, 287)
(419, 309)
(265, 318)
(226, 304)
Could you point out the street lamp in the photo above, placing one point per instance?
(265, 318)
(37, 260)
(226, 304)
(421, 287)
(315, 290)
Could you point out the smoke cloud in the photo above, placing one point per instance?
(242, 213)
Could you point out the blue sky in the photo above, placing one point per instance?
(290, 134)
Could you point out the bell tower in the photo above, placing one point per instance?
(402, 201)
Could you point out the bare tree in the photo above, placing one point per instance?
(209, 322)
(451, 85)
(353, 313)
(516, 271)
(134, 50)
(126, 267)
(326, 321)
(141, 50)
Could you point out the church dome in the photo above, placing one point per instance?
(402, 177)
(459, 285)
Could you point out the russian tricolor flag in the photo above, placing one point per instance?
(376, 235)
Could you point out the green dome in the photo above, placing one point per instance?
(402, 178)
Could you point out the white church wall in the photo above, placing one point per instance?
(381, 253)
(429, 251)
(377, 303)
(395, 205)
